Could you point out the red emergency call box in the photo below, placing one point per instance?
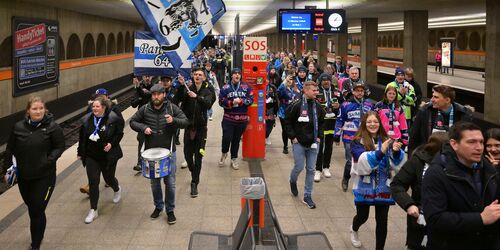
(254, 73)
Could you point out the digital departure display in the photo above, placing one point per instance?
(312, 21)
(296, 21)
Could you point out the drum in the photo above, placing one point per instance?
(155, 163)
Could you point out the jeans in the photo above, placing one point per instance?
(210, 112)
(231, 137)
(381, 215)
(169, 188)
(308, 155)
(348, 161)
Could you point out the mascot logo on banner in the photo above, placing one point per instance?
(179, 26)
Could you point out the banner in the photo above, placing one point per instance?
(446, 54)
(150, 58)
(179, 26)
(35, 54)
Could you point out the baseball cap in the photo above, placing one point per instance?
(101, 91)
(236, 71)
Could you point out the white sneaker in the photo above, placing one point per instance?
(91, 216)
(184, 164)
(210, 118)
(317, 176)
(355, 239)
(234, 164)
(118, 195)
(326, 172)
(268, 141)
(222, 159)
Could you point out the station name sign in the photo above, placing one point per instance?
(312, 21)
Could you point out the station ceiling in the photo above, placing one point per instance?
(259, 16)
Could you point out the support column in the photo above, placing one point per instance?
(492, 83)
(416, 40)
(322, 49)
(369, 33)
(291, 44)
(298, 46)
(340, 41)
(309, 42)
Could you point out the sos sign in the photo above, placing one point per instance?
(254, 49)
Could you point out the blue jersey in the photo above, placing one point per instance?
(229, 92)
(349, 118)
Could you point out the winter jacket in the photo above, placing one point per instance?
(36, 148)
(195, 109)
(303, 131)
(149, 117)
(228, 93)
(407, 101)
(274, 79)
(410, 175)
(299, 82)
(110, 131)
(398, 129)
(114, 108)
(347, 85)
(330, 112)
(425, 120)
(286, 97)
(141, 95)
(418, 95)
(372, 172)
(272, 101)
(452, 206)
(349, 119)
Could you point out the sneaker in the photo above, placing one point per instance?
(118, 195)
(293, 188)
(155, 213)
(184, 164)
(194, 190)
(137, 167)
(91, 216)
(222, 159)
(345, 185)
(355, 239)
(268, 141)
(177, 142)
(234, 164)
(210, 118)
(171, 218)
(326, 172)
(309, 202)
(285, 150)
(85, 189)
(317, 176)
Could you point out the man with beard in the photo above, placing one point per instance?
(348, 84)
(158, 121)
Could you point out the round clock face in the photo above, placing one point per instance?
(335, 20)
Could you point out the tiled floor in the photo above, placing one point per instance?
(127, 225)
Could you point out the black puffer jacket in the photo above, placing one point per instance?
(452, 207)
(149, 117)
(195, 109)
(36, 148)
(426, 117)
(110, 131)
(303, 131)
(411, 175)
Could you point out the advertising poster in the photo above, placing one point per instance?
(446, 54)
(35, 54)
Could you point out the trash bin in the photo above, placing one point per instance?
(253, 188)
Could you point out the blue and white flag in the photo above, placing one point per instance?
(151, 60)
(180, 25)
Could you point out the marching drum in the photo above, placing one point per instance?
(155, 163)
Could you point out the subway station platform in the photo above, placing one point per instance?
(127, 225)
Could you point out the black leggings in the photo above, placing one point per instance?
(94, 169)
(381, 213)
(36, 194)
(284, 137)
(325, 152)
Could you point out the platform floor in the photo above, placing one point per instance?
(468, 80)
(127, 225)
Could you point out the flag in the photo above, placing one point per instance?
(151, 60)
(179, 26)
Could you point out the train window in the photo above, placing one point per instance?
(74, 47)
